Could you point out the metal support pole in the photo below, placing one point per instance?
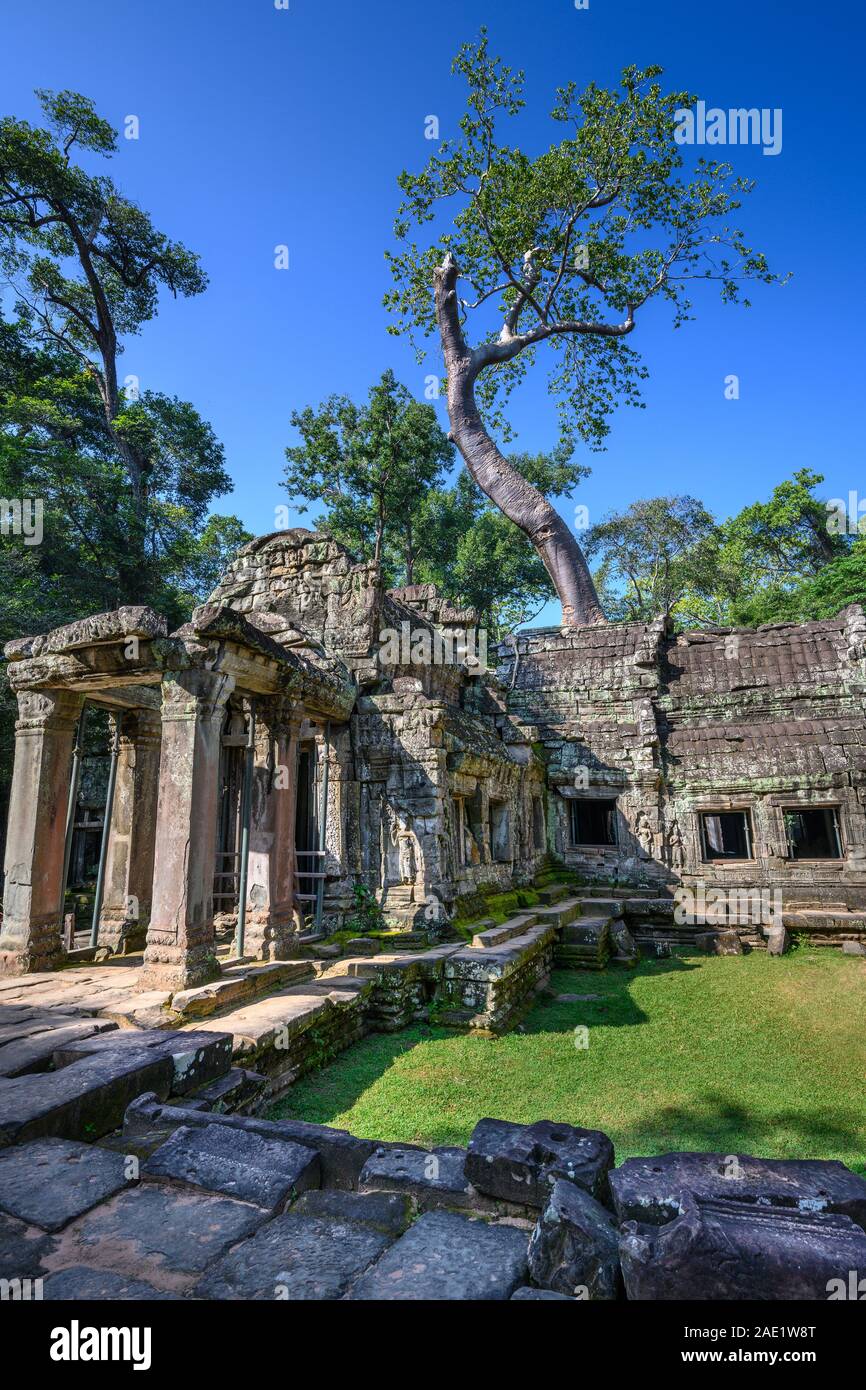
(106, 832)
(74, 783)
(323, 826)
(246, 812)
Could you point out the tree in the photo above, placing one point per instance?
(646, 555)
(559, 251)
(87, 266)
(781, 560)
(371, 466)
(478, 558)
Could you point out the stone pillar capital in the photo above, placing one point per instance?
(195, 694)
(47, 711)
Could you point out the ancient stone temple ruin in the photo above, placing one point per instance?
(309, 734)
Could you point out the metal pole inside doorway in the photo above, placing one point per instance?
(246, 812)
(106, 831)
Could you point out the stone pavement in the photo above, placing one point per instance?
(191, 1203)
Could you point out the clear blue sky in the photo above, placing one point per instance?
(261, 126)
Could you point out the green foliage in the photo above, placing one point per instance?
(646, 555)
(371, 465)
(565, 247)
(367, 915)
(774, 561)
(125, 478)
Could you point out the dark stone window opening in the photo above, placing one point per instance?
(726, 835)
(593, 822)
(813, 833)
(500, 832)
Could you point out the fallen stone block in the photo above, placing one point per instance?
(389, 1213)
(35, 1052)
(342, 1155)
(197, 1057)
(574, 1248)
(445, 1255)
(724, 1250)
(87, 1098)
(520, 1163)
(854, 948)
(431, 1177)
(652, 1190)
(268, 1172)
(294, 1257)
(51, 1181)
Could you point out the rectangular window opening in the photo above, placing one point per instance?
(726, 835)
(813, 832)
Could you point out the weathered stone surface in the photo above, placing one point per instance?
(247, 1166)
(23, 1249)
(50, 1182)
(778, 941)
(342, 1154)
(651, 1190)
(294, 1257)
(88, 1097)
(520, 1163)
(161, 1235)
(98, 1285)
(574, 1248)
(197, 1057)
(448, 1256)
(526, 1294)
(854, 948)
(389, 1213)
(34, 1051)
(725, 1250)
(432, 1177)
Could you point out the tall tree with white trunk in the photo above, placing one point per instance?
(509, 255)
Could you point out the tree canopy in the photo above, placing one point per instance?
(507, 254)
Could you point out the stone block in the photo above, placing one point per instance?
(721, 1250)
(389, 1213)
(294, 1257)
(51, 1181)
(268, 1172)
(431, 1177)
(574, 1248)
(651, 1190)
(526, 1294)
(445, 1255)
(88, 1097)
(23, 1249)
(520, 1163)
(161, 1235)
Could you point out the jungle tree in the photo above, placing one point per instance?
(508, 254)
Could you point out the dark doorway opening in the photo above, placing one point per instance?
(593, 821)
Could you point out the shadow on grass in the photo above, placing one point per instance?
(721, 1124)
(604, 996)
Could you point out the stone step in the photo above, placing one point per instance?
(596, 906)
(553, 892)
(239, 982)
(560, 913)
(284, 1035)
(497, 936)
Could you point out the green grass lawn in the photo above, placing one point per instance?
(740, 1054)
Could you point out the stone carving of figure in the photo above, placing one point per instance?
(644, 834)
(676, 848)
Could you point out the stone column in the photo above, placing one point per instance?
(30, 934)
(270, 921)
(180, 937)
(132, 833)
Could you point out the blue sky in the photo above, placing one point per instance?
(261, 126)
